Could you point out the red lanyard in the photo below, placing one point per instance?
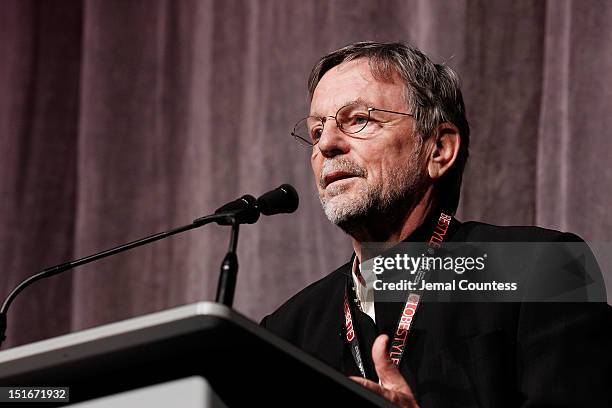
(404, 324)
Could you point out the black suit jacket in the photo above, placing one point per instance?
(469, 354)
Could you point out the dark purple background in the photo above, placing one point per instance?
(119, 119)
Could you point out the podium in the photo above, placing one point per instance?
(204, 352)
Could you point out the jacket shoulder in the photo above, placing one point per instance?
(480, 231)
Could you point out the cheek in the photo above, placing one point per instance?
(376, 159)
(386, 162)
(316, 165)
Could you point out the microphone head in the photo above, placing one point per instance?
(283, 199)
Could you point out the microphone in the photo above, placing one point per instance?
(246, 209)
(243, 211)
(283, 199)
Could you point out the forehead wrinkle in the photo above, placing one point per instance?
(357, 80)
(359, 100)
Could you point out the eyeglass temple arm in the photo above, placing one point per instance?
(388, 111)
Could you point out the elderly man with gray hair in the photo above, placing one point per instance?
(389, 139)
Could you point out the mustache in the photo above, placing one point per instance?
(340, 164)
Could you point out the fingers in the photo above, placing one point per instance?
(400, 399)
(370, 385)
(378, 389)
(388, 373)
(393, 386)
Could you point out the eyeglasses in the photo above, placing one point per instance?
(350, 119)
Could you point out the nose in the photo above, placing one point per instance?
(332, 141)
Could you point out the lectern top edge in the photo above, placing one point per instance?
(117, 328)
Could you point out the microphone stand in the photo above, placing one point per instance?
(229, 267)
(245, 210)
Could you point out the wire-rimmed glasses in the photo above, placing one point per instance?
(350, 119)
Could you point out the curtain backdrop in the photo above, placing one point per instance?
(119, 119)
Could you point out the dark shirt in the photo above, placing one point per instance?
(469, 354)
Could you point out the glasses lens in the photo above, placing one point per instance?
(307, 131)
(353, 118)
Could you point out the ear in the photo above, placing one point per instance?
(444, 151)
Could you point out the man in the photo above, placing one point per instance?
(389, 140)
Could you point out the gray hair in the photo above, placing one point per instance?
(432, 92)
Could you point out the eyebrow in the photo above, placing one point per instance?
(358, 100)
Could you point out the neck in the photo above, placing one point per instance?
(396, 231)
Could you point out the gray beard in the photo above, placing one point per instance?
(376, 203)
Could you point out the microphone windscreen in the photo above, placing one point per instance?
(283, 199)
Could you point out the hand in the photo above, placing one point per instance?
(393, 386)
